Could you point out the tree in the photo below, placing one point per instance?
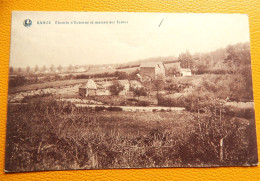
(173, 71)
(121, 75)
(70, 68)
(11, 69)
(19, 70)
(28, 69)
(185, 59)
(139, 92)
(159, 85)
(52, 68)
(44, 68)
(59, 68)
(116, 87)
(36, 68)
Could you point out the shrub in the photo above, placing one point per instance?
(143, 103)
(114, 109)
(116, 88)
(100, 108)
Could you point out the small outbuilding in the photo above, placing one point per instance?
(88, 89)
(185, 72)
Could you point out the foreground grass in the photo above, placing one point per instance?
(51, 135)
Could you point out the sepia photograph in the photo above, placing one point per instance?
(104, 90)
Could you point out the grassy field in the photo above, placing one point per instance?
(45, 85)
(50, 135)
(53, 84)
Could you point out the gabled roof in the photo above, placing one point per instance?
(90, 84)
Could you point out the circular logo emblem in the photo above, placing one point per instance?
(27, 23)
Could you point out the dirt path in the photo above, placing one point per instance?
(136, 108)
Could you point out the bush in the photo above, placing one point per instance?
(143, 103)
(248, 113)
(114, 109)
(100, 108)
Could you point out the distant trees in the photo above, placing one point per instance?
(59, 68)
(121, 75)
(17, 81)
(44, 68)
(11, 69)
(52, 68)
(28, 69)
(116, 87)
(36, 68)
(70, 68)
(19, 70)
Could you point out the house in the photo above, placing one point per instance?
(152, 70)
(88, 89)
(185, 72)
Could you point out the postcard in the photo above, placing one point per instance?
(105, 90)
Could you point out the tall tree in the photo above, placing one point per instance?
(44, 68)
(36, 68)
(59, 68)
(28, 69)
(11, 69)
(185, 59)
(159, 85)
(52, 68)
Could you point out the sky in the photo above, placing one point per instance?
(140, 36)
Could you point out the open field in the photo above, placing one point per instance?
(53, 84)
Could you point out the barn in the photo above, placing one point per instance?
(88, 89)
(152, 70)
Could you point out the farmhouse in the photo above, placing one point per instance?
(152, 70)
(88, 89)
(185, 72)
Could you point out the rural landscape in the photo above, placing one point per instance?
(192, 110)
